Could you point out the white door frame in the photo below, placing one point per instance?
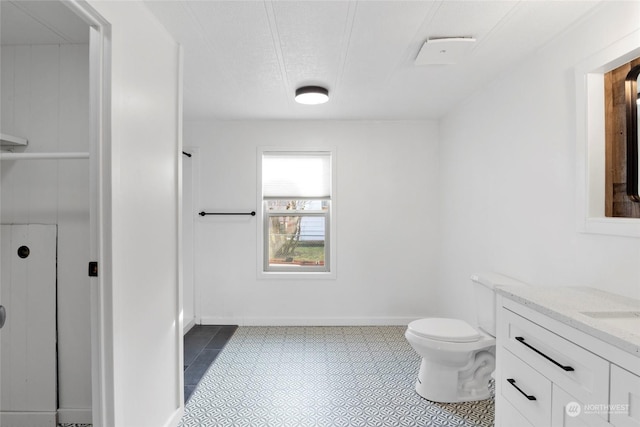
(189, 263)
(102, 377)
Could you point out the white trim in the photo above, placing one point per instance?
(292, 275)
(195, 162)
(102, 375)
(179, 312)
(187, 326)
(176, 416)
(590, 138)
(309, 321)
(195, 195)
(74, 416)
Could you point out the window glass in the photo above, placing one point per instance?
(296, 240)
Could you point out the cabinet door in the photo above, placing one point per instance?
(28, 377)
(567, 411)
(625, 398)
(510, 416)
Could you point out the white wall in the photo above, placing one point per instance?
(45, 98)
(141, 271)
(508, 169)
(385, 213)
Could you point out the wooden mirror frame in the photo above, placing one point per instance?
(631, 100)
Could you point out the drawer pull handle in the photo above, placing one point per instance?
(566, 368)
(513, 383)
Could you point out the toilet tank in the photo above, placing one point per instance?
(484, 291)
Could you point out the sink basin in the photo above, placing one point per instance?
(626, 320)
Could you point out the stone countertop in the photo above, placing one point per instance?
(567, 305)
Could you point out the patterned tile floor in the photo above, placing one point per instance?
(321, 376)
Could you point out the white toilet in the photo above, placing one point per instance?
(458, 359)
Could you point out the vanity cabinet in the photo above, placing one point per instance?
(552, 374)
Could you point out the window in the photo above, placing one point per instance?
(296, 205)
(590, 137)
(617, 202)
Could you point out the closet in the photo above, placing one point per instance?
(45, 344)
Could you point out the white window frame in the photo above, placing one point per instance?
(328, 271)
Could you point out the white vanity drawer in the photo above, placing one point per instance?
(579, 372)
(625, 398)
(526, 389)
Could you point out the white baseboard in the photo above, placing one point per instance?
(28, 419)
(305, 321)
(175, 418)
(75, 416)
(187, 326)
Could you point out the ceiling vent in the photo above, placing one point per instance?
(444, 51)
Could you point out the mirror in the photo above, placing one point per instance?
(633, 156)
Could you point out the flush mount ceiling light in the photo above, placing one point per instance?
(312, 95)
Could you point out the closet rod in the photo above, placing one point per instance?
(43, 156)
(203, 213)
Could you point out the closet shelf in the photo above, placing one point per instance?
(10, 140)
(44, 156)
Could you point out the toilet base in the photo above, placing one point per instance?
(446, 384)
(433, 397)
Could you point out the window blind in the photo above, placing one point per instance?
(301, 175)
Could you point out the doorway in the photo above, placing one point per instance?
(46, 178)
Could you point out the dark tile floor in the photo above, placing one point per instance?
(202, 344)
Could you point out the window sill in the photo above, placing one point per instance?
(296, 275)
(628, 227)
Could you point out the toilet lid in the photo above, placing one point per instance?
(442, 329)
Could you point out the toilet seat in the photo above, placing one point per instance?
(444, 329)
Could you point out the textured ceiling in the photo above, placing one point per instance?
(244, 59)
